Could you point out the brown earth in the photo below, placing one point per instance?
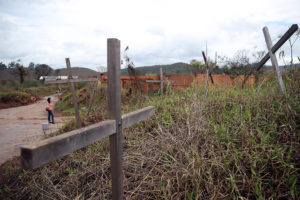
(23, 125)
(15, 100)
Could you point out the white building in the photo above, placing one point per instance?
(54, 78)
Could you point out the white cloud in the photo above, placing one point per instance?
(157, 31)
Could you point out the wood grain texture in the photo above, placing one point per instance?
(40, 153)
(114, 110)
(74, 98)
(274, 60)
(278, 44)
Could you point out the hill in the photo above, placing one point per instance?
(76, 71)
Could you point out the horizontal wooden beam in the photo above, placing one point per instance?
(137, 116)
(71, 80)
(38, 154)
(42, 152)
(280, 42)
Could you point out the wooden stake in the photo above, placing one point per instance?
(93, 95)
(74, 99)
(208, 67)
(274, 60)
(161, 81)
(206, 78)
(114, 110)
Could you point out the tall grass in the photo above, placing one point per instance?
(233, 144)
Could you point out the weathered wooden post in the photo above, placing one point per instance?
(274, 60)
(114, 110)
(207, 67)
(161, 81)
(206, 60)
(74, 99)
(93, 95)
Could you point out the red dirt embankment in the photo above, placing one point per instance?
(16, 98)
(186, 80)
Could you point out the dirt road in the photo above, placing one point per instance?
(23, 125)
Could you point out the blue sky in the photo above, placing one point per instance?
(157, 31)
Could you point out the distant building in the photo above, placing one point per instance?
(54, 78)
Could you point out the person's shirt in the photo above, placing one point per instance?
(49, 106)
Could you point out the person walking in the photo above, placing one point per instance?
(49, 108)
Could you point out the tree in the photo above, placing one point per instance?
(238, 65)
(56, 72)
(31, 65)
(18, 69)
(101, 69)
(11, 65)
(2, 66)
(258, 55)
(292, 41)
(42, 70)
(196, 67)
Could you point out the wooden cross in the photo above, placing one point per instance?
(42, 152)
(71, 81)
(161, 81)
(272, 50)
(278, 44)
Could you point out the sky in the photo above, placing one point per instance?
(156, 31)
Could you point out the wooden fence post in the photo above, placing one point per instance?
(114, 109)
(93, 95)
(208, 67)
(274, 60)
(161, 81)
(74, 99)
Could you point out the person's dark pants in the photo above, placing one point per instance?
(50, 113)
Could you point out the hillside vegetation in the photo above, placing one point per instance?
(233, 144)
(12, 93)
